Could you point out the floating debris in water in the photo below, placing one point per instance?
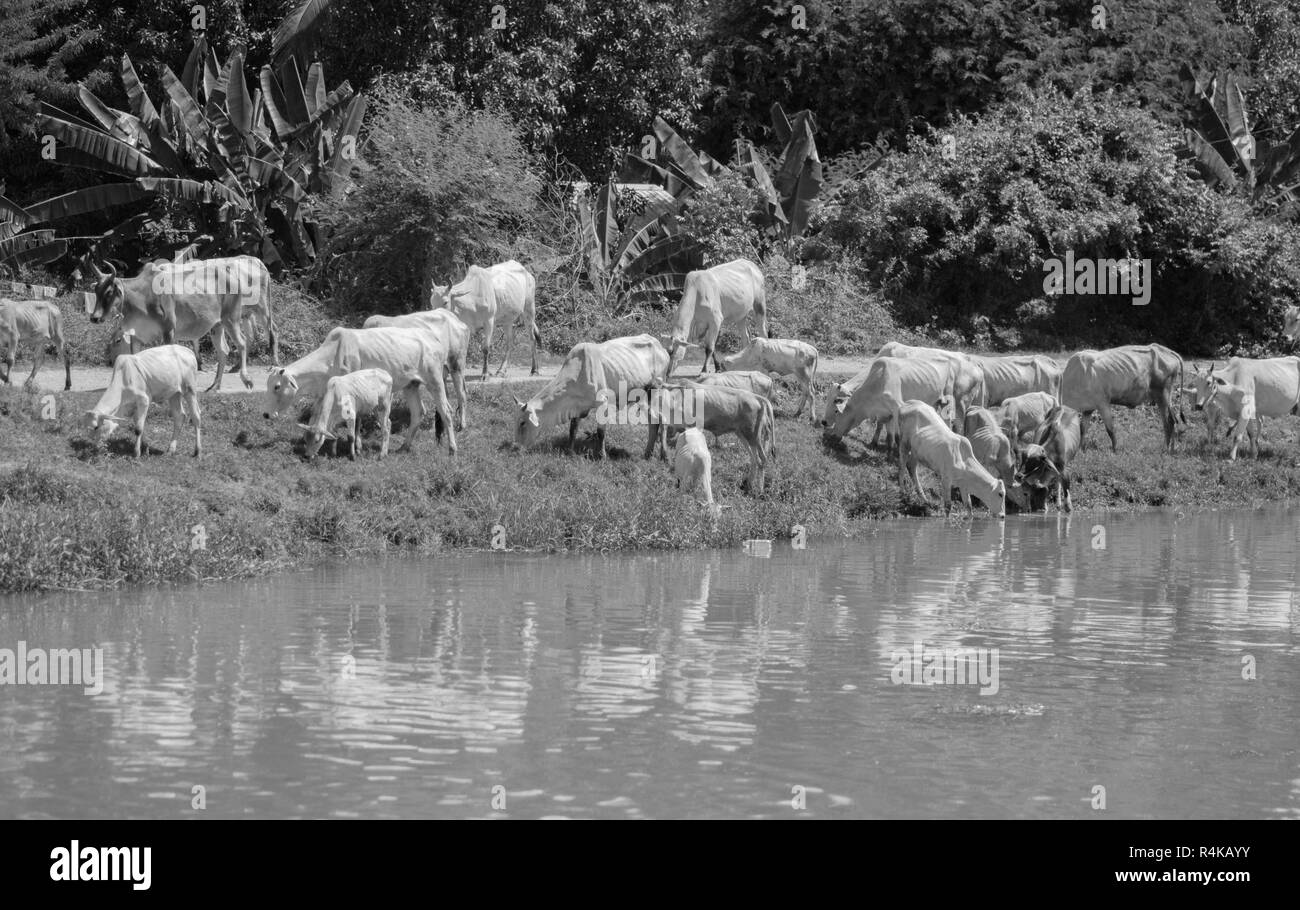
(759, 548)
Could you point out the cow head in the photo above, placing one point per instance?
(946, 408)
(313, 440)
(281, 390)
(529, 426)
(440, 297)
(999, 504)
(102, 423)
(834, 406)
(1200, 387)
(108, 292)
(123, 341)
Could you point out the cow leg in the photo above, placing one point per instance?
(458, 385)
(412, 397)
(352, 439)
(600, 438)
(537, 343)
(192, 400)
(237, 335)
(219, 338)
(141, 413)
(438, 389)
(1064, 487)
(573, 436)
(67, 364)
(510, 346)
(38, 359)
(1253, 431)
(198, 357)
(1108, 420)
(488, 329)
(875, 439)
(385, 426)
(1166, 408)
(178, 417)
(656, 431)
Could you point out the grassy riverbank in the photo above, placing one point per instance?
(71, 517)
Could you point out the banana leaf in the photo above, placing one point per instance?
(1238, 126)
(315, 90)
(276, 105)
(667, 283)
(196, 125)
(658, 253)
(606, 223)
(192, 74)
(49, 110)
(267, 175)
(141, 106)
(748, 158)
(350, 125)
(302, 20)
(675, 150)
(780, 123)
(294, 96)
(84, 201)
(239, 106)
(27, 241)
(114, 153)
(1211, 165)
(205, 191)
(38, 255)
(211, 73)
(104, 115)
(662, 214)
(14, 213)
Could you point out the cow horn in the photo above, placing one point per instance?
(112, 269)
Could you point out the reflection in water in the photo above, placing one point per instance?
(691, 684)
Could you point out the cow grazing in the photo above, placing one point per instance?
(840, 394)
(450, 337)
(168, 373)
(1270, 386)
(967, 378)
(408, 355)
(785, 357)
(1130, 376)
(748, 380)
(730, 294)
(592, 374)
(693, 465)
(38, 324)
(1023, 414)
(189, 300)
(362, 392)
(720, 411)
(504, 293)
(1008, 377)
(1045, 464)
(891, 381)
(925, 438)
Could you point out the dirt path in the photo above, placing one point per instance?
(86, 378)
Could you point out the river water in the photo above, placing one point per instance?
(699, 684)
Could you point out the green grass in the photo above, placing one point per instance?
(72, 516)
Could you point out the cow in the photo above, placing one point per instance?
(990, 444)
(407, 355)
(839, 396)
(1007, 377)
(749, 380)
(503, 293)
(451, 339)
(347, 396)
(891, 381)
(1021, 415)
(730, 294)
(1131, 375)
(693, 465)
(189, 300)
(785, 357)
(592, 375)
(1239, 406)
(1045, 463)
(925, 438)
(718, 410)
(1272, 384)
(167, 373)
(967, 378)
(36, 323)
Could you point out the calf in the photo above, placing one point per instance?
(925, 438)
(1046, 462)
(991, 446)
(720, 411)
(1023, 414)
(346, 396)
(693, 465)
(36, 323)
(1239, 406)
(167, 373)
(785, 357)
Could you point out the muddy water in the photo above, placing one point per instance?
(695, 684)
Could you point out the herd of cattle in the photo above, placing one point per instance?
(992, 427)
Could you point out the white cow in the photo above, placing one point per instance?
(407, 355)
(745, 380)
(167, 373)
(967, 377)
(1272, 386)
(362, 392)
(730, 294)
(693, 465)
(1131, 375)
(785, 357)
(890, 382)
(36, 323)
(675, 406)
(1007, 377)
(450, 336)
(990, 444)
(504, 293)
(1023, 414)
(925, 438)
(592, 374)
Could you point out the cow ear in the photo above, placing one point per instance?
(532, 418)
(519, 401)
(303, 426)
(326, 434)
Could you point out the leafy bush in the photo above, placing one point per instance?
(444, 187)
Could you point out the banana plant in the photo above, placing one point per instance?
(1219, 142)
(244, 164)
